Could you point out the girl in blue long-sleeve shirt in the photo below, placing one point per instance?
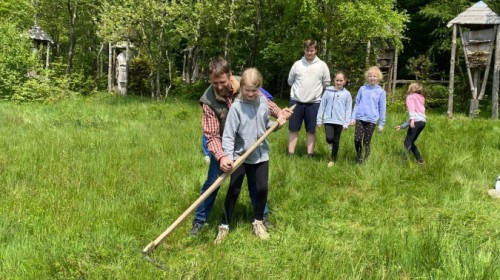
(369, 108)
(335, 112)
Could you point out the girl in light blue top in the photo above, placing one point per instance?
(247, 120)
(335, 112)
(369, 108)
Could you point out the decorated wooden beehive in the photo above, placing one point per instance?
(480, 33)
(478, 46)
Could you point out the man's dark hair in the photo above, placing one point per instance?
(219, 66)
(311, 44)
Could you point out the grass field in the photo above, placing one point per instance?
(86, 184)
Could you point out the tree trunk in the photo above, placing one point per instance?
(72, 34)
(127, 58)
(368, 51)
(496, 79)
(159, 64)
(255, 38)
(229, 29)
(110, 68)
(169, 63)
(452, 71)
(47, 56)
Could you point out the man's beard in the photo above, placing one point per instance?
(223, 93)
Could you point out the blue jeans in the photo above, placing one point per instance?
(204, 145)
(204, 209)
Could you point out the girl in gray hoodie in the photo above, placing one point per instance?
(247, 120)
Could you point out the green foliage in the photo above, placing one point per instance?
(442, 11)
(49, 87)
(436, 96)
(16, 57)
(40, 89)
(139, 81)
(420, 67)
(190, 91)
(397, 101)
(19, 12)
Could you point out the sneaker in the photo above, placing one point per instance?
(331, 163)
(421, 162)
(267, 223)
(494, 193)
(195, 228)
(260, 230)
(221, 235)
(206, 159)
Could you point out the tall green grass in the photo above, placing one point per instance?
(86, 184)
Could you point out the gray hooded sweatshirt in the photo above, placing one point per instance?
(246, 122)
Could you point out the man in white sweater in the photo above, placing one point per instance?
(308, 77)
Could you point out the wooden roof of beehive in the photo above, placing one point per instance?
(478, 14)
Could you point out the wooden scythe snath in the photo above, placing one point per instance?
(151, 246)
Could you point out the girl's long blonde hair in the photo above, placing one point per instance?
(251, 77)
(415, 87)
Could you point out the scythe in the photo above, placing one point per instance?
(151, 246)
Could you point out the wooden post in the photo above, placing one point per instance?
(110, 68)
(184, 67)
(488, 63)
(395, 72)
(388, 86)
(114, 70)
(469, 74)
(452, 71)
(127, 57)
(48, 55)
(368, 51)
(474, 102)
(496, 78)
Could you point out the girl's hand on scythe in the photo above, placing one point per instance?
(226, 164)
(281, 122)
(285, 113)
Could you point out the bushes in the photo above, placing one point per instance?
(49, 87)
(138, 78)
(188, 90)
(436, 97)
(16, 57)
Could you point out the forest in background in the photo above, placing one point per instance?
(172, 41)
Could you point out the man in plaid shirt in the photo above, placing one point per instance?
(216, 102)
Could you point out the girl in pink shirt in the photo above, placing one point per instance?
(415, 104)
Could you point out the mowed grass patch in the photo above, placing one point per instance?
(88, 183)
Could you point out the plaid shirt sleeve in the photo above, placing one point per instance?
(273, 108)
(211, 129)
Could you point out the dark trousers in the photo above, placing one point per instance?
(362, 138)
(411, 137)
(258, 172)
(205, 207)
(332, 133)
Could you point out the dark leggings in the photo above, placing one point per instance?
(362, 137)
(260, 172)
(332, 133)
(411, 137)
